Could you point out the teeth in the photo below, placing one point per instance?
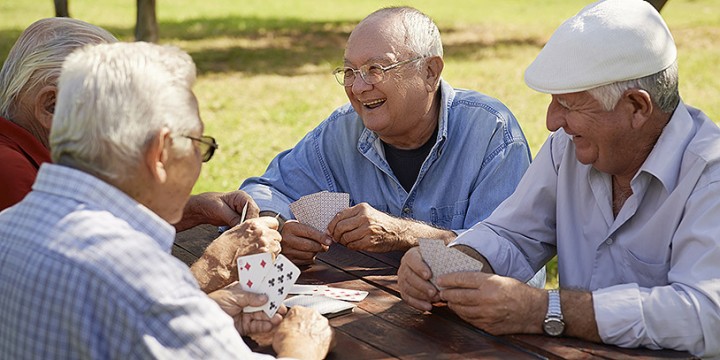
(375, 102)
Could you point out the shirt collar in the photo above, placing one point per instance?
(665, 159)
(30, 145)
(96, 194)
(369, 138)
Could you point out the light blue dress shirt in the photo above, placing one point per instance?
(86, 273)
(478, 158)
(654, 270)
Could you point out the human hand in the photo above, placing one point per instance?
(414, 281)
(303, 334)
(497, 304)
(363, 227)
(217, 266)
(232, 300)
(301, 243)
(217, 208)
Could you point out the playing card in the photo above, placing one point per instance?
(324, 305)
(276, 284)
(318, 209)
(252, 270)
(345, 294)
(301, 289)
(444, 260)
(331, 292)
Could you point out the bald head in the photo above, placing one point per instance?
(405, 29)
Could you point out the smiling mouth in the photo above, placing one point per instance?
(374, 104)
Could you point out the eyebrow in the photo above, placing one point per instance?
(563, 103)
(372, 60)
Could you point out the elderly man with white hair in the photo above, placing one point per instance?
(86, 270)
(28, 91)
(626, 192)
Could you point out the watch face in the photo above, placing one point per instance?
(553, 327)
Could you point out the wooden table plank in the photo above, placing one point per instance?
(385, 327)
(413, 332)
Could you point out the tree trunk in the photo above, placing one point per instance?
(146, 28)
(61, 8)
(657, 4)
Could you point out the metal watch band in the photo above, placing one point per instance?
(554, 309)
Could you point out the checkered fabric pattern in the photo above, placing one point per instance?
(86, 273)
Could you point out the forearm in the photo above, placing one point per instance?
(192, 216)
(579, 315)
(212, 270)
(409, 231)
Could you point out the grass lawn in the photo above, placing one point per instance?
(264, 66)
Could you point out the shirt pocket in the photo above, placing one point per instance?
(645, 274)
(450, 216)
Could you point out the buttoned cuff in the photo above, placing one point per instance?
(619, 316)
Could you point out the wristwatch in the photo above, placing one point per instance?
(554, 324)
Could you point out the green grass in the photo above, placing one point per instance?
(264, 66)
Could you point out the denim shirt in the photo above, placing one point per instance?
(478, 158)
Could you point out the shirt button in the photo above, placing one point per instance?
(406, 210)
(609, 241)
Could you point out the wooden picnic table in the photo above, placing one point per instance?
(382, 326)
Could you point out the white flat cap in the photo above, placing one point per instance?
(606, 42)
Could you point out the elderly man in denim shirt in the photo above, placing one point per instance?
(418, 158)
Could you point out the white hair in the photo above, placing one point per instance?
(37, 56)
(662, 87)
(112, 100)
(421, 34)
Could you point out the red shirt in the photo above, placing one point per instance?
(20, 157)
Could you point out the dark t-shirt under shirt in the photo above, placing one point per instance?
(406, 164)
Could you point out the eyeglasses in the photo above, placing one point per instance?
(207, 146)
(370, 73)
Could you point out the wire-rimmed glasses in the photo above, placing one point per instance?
(370, 73)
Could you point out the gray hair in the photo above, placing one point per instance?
(37, 56)
(113, 98)
(662, 87)
(421, 34)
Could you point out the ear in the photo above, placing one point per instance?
(434, 67)
(44, 106)
(642, 106)
(157, 154)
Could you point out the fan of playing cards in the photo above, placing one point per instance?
(318, 209)
(258, 273)
(445, 260)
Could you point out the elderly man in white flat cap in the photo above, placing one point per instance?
(626, 191)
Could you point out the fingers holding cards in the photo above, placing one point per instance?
(260, 274)
(318, 209)
(444, 260)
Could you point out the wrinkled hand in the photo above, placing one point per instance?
(217, 208)
(301, 243)
(414, 281)
(232, 299)
(363, 227)
(254, 236)
(217, 266)
(228, 208)
(303, 334)
(497, 304)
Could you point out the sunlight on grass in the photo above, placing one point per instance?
(264, 66)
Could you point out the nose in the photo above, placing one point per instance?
(555, 116)
(359, 85)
